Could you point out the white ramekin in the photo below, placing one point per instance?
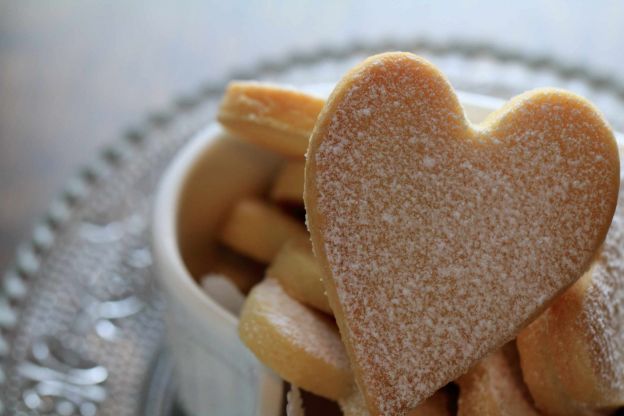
(216, 374)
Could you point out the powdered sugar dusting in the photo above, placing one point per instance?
(602, 314)
(444, 239)
(496, 381)
(294, 402)
(307, 329)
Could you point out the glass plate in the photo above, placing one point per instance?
(80, 318)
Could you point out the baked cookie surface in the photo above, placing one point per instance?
(494, 387)
(578, 342)
(300, 344)
(439, 239)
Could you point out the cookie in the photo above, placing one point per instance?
(494, 387)
(549, 395)
(300, 344)
(294, 402)
(258, 230)
(578, 342)
(277, 118)
(288, 185)
(436, 405)
(439, 240)
(299, 273)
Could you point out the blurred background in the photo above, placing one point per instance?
(75, 74)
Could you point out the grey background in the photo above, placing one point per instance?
(74, 74)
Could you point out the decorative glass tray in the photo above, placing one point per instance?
(80, 318)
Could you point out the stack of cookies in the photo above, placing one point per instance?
(436, 252)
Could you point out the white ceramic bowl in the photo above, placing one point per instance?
(216, 374)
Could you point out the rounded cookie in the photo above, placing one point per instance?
(494, 387)
(301, 345)
(297, 270)
(259, 230)
(275, 117)
(579, 340)
(548, 394)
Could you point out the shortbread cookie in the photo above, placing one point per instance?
(538, 372)
(299, 273)
(440, 240)
(436, 405)
(259, 230)
(301, 345)
(277, 118)
(494, 387)
(578, 342)
(288, 185)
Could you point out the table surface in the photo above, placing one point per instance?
(74, 75)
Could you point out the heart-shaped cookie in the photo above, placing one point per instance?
(440, 239)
